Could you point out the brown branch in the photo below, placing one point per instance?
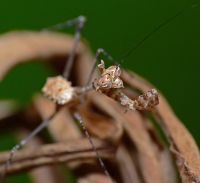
(55, 153)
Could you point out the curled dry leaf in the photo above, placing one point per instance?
(149, 164)
(21, 47)
(183, 145)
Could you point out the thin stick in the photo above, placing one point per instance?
(56, 153)
(80, 120)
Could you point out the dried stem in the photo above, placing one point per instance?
(181, 141)
(55, 153)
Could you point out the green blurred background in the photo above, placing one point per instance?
(170, 58)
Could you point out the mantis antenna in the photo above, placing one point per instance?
(134, 47)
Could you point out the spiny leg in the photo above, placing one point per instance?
(80, 120)
(78, 117)
(23, 142)
(79, 22)
(64, 25)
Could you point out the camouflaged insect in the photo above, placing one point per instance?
(109, 78)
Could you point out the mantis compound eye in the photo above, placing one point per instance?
(58, 89)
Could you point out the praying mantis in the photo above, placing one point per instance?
(60, 91)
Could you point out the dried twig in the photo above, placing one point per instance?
(55, 153)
